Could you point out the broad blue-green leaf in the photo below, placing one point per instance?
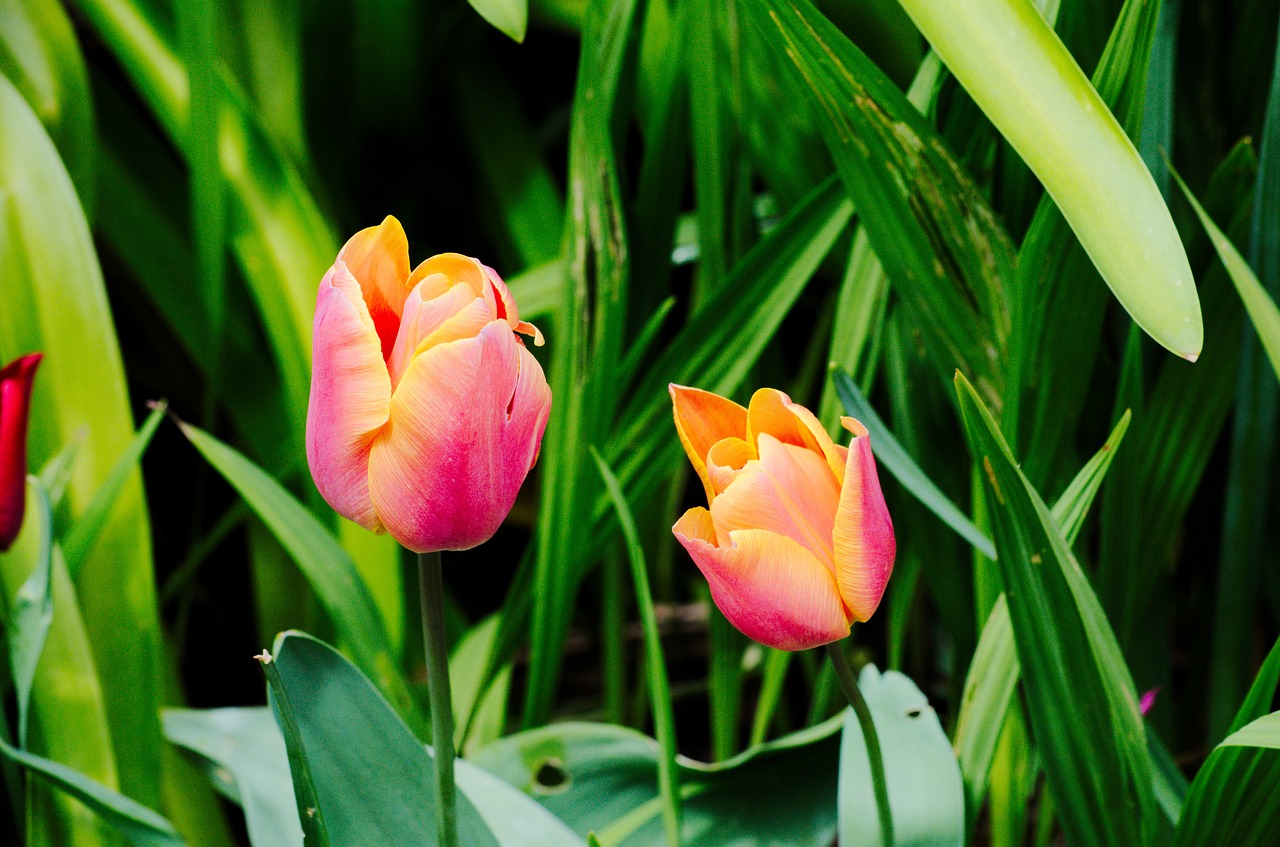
(371, 777)
(926, 792)
(30, 612)
(243, 754)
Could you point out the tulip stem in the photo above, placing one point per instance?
(437, 650)
(844, 673)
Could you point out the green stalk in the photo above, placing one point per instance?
(844, 673)
(437, 649)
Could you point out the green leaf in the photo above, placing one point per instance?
(1232, 799)
(80, 538)
(655, 666)
(604, 778)
(511, 17)
(30, 613)
(326, 565)
(371, 777)
(1081, 702)
(994, 670)
(891, 454)
(926, 792)
(243, 754)
(935, 234)
(479, 704)
(140, 825)
(1261, 308)
(1015, 68)
(1262, 692)
(46, 247)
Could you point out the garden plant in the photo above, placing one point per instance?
(639, 422)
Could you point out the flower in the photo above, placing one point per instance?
(797, 543)
(426, 411)
(15, 407)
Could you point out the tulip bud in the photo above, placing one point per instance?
(426, 411)
(15, 407)
(797, 543)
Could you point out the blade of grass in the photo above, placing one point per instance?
(655, 665)
(327, 566)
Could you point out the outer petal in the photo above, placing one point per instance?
(702, 419)
(507, 308)
(379, 258)
(466, 422)
(350, 397)
(864, 542)
(788, 491)
(767, 585)
(16, 379)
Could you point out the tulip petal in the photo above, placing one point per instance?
(702, 419)
(507, 308)
(350, 397)
(379, 258)
(422, 316)
(768, 586)
(726, 459)
(864, 541)
(16, 379)
(466, 422)
(771, 411)
(788, 491)
(457, 268)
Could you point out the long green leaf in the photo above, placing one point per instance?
(1081, 701)
(326, 565)
(1232, 799)
(30, 614)
(142, 826)
(1013, 65)
(55, 302)
(938, 239)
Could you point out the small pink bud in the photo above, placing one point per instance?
(15, 408)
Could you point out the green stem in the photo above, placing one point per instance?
(437, 649)
(844, 673)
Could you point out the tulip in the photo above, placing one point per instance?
(426, 410)
(15, 407)
(796, 543)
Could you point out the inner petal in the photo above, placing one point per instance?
(788, 490)
(423, 315)
(726, 460)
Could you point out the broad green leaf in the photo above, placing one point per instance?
(1013, 65)
(1263, 732)
(926, 792)
(139, 824)
(935, 234)
(537, 291)
(55, 302)
(243, 754)
(326, 565)
(371, 777)
(899, 463)
(40, 56)
(604, 778)
(1262, 692)
(1081, 702)
(509, 16)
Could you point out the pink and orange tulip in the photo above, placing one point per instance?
(797, 543)
(427, 410)
(16, 379)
